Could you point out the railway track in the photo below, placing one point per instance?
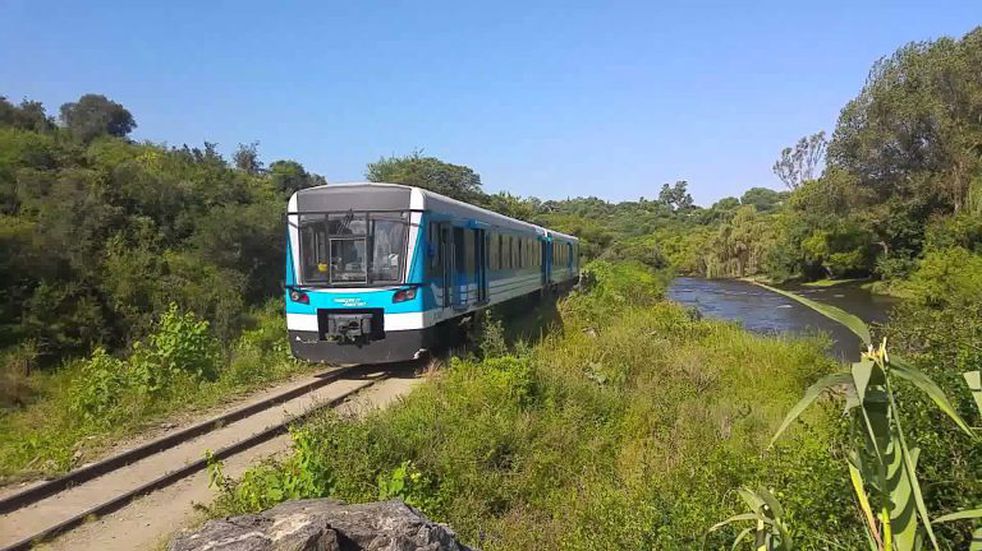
(41, 512)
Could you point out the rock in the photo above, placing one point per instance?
(323, 525)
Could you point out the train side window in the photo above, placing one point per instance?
(521, 257)
(511, 252)
(492, 251)
(434, 245)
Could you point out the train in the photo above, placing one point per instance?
(379, 272)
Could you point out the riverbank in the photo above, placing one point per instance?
(629, 428)
(759, 310)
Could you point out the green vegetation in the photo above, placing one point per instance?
(625, 430)
(882, 465)
(179, 368)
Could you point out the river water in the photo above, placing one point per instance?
(762, 311)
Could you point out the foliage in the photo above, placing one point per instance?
(66, 415)
(98, 234)
(95, 115)
(799, 165)
(621, 432)
(456, 181)
(882, 465)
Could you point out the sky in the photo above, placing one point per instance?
(551, 99)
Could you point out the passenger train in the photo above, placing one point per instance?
(382, 272)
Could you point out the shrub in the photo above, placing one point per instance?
(16, 387)
(180, 344)
(98, 388)
(950, 277)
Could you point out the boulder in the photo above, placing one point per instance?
(323, 525)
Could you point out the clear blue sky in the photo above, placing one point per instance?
(552, 99)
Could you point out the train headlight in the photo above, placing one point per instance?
(299, 296)
(403, 295)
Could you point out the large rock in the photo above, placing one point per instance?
(323, 525)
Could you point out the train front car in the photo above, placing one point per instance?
(352, 282)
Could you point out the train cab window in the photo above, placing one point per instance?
(314, 257)
(388, 231)
(353, 247)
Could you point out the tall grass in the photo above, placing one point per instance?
(627, 429)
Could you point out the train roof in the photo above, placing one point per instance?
(384, 196)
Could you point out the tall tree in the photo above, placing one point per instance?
(290, 176)
(29, 115)
(676, 196)
(457, 181)
(801, 163)
(246, 158)
(95, 115)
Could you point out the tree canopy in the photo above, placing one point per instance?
(95, 115)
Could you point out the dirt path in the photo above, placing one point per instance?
(148, 522)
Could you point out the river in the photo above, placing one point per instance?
(763, 311)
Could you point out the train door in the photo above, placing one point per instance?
(481, 264)
(543, 262)
(448, 256)
(461, 281)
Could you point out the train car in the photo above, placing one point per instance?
(379, 272)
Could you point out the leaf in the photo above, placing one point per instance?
(753, 501)
(974, 380)
(771, 501)
(960, 515)
(735, 518)
(903, 516)
(857, 485)
(810, 395)
(906, 371)
(834, 313)
(909, 460)
(743, 533)
(861, 373)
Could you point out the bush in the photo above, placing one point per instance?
(179, 345)
(16, 386)
(99, 387)
(950, 277)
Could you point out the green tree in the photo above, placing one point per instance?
(29, 115)
(801, 163)
(763, 199)
(676, 196)
(96, 115)
(290, 176)
(246, 158)
(457, 181)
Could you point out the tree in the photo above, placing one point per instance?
(95, 115)
(457, 181)
(762, 198)
(290, 176)
(675, 196)
(246, 158)
(801, 163)
(29, 115)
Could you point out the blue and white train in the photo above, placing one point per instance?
(381, 272)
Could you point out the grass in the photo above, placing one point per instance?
(827, 282)
(49, 433)
(628, 428)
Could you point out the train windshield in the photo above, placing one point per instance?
(353, 248)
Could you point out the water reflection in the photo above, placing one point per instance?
(762, 311)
